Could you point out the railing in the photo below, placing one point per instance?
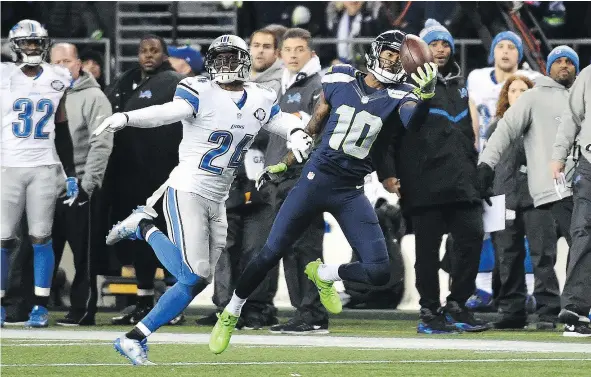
(105, 42)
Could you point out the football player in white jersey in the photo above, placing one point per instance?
(34, 124)
(484, 85)
(220, 116)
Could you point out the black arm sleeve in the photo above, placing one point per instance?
(65, 148)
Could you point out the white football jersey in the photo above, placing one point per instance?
(215, 141)
(29, 105)
(484, 93)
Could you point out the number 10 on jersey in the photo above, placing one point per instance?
(355, 133)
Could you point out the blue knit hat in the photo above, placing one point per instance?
(562, 52)
(188, 54)
(502, 36)
(434, 31)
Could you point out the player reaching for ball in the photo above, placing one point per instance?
(361, 114)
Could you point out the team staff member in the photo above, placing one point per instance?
(142, 159)
(436, 164)
(575, 123)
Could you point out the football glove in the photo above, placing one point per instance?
(113, 123)
(300, 144)
(269, 173)
(426, 81)
(72, 190)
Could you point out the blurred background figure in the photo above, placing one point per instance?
(86, 106)
(141, 161)
(186, 60)
(93, 63)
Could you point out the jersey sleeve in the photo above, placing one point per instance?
(337, 75)
(188, 90)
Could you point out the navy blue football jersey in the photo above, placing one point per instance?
(359, 115)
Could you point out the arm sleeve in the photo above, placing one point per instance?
(509, 129)
(570, 121)
(413, 112)
(99, 146)
(65, 148)
(281, 123)
(159, 115)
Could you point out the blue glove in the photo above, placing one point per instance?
(71, 190)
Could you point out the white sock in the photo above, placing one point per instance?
(234, 307)
(329, 272)
(484, 281)
(143, 328)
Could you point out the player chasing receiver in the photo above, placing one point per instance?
(358, 116)
(220, 119)
(34, 122)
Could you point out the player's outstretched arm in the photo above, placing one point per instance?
(315, 125)
(148, 117)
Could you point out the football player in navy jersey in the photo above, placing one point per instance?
(357, 118)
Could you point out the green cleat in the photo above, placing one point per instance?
(222, 332)
(328, 293)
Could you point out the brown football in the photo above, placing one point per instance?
(414, 53)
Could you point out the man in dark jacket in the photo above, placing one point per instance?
(436, 164)
(142, 159)
(301, 87)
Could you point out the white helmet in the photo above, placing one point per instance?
(29, 30)
(227, 69)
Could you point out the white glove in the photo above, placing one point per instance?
(300, 144)
(113, 123)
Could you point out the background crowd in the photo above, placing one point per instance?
(118, 173)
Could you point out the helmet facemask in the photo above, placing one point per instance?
(31, 57)
(227, 64)
(386, 71)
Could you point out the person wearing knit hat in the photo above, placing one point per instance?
(506, 36)
(562, 52)
(434, 31)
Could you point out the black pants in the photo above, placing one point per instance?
(464, 222)
(74, 224)
(576, 294)
(248, 228)
(509, 272)
(20, 283)
(562, 212)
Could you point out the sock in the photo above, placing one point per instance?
(329, 272)
(484, 281)
(145, 226)
(234, 307)
(136, 333)
(41, 300)
(170, 305)
(44, 261)
(3, 271)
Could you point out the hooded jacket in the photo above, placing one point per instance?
(271, 77)
(535, 116)
(299, 94)
(436, 162)
(87, 107)
(574, 122)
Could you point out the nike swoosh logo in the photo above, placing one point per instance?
(316, 96)
(358, 187)
(82, 203)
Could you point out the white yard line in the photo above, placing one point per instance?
(337, 362)
(423, 343)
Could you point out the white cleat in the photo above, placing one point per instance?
(134, 350)
(128, 228)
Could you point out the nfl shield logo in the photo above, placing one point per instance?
(311, 175)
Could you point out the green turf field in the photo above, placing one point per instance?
(354, 348)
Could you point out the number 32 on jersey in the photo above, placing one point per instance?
(26, 109)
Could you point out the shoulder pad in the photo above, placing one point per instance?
(61, 72)
(266, 92)
(200, 84)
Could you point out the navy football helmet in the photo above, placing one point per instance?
(394, 73)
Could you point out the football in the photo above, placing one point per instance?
(414, 53)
